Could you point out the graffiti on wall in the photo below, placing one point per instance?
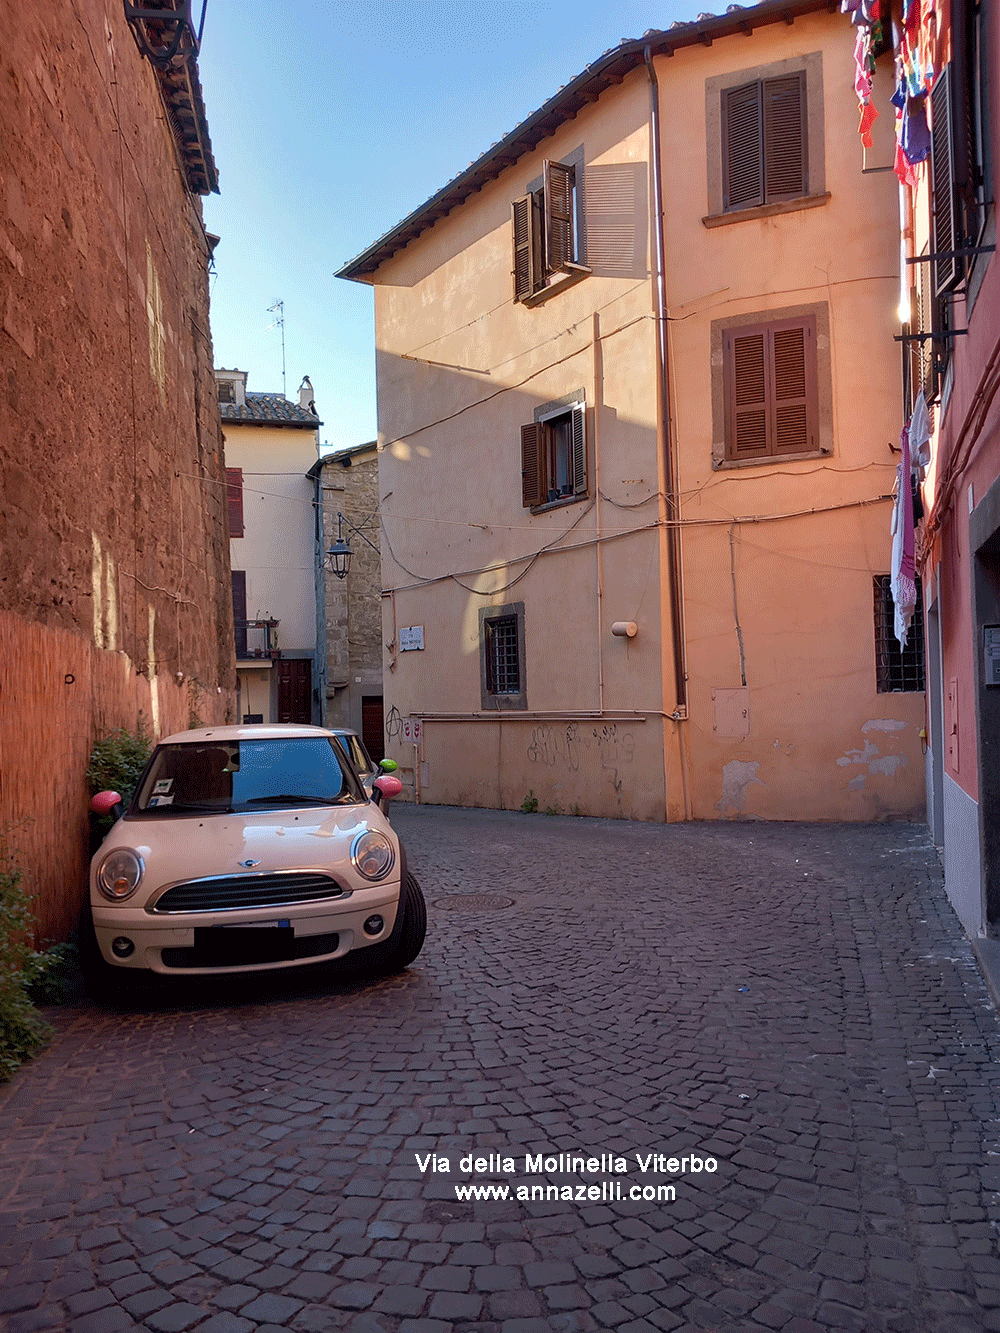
(560, 747)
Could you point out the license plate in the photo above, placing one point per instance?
(261, 942)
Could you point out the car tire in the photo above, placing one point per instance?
(408, 933)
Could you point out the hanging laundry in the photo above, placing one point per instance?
(920, 433)
(903, 575)
(868, 118)
(915, 138)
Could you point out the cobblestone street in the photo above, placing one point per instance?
(793, 1003)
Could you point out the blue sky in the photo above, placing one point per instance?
(333, 119)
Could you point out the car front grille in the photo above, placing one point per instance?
(230, 892)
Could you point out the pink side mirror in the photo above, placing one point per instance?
(388, 787)
(104, 802)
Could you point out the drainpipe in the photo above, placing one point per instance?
(665, 441)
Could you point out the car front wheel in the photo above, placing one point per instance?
(408, 933)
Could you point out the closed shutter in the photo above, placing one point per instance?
(524, 269)
(784, 138)
(579, 451)
(746, 393)
(559, 250)
(794, 371)
(947, 235)
(771, 390)
(239, 578)
(925, 324)
(234, 500)
(532, 481)
(742, 147)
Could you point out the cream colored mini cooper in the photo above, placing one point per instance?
(248, 848)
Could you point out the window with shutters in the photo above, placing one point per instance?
(770, 389)
(765, 140)
(234, 500)
(501, 645)
(764, 144)
(554, 454)
(547, 232)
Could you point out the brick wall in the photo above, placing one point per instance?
(114, 562)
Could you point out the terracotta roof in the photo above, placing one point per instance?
(269, 409)
(608, 70)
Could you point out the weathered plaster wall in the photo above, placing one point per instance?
(114, 570)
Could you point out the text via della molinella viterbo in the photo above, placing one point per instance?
(602, 1177)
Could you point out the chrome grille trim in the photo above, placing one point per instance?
(231, 893)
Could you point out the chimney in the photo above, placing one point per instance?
(306, 399)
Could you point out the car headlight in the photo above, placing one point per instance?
(372, 855)
(119, 874)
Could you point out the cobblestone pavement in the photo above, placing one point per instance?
(795, 1002)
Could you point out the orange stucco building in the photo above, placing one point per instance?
(638, 399)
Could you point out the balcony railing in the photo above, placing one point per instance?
(256, 638)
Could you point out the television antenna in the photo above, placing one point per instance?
(278, 311)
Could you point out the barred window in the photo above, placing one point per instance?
(503, 670)
(501, 639)
(897, 670)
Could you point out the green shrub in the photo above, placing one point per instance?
(22, 1030)
(117, 761)
(50, 973)
(529, 805)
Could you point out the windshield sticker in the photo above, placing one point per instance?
(162, 786)
(154, 801)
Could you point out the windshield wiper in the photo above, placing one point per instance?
(286, 799)
(208, 807)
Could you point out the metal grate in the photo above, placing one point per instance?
(503, 669)
(229, 892)
(897, 670)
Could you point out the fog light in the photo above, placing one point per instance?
(122, 947)
(374, 925)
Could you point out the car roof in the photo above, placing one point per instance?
(254, 732)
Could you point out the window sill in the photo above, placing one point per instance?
(766, 210)
(573, 274)
(560, 503)
(724, 464)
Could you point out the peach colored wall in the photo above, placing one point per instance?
(461, 367)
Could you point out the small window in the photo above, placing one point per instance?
(227, 392)
(764, 142)
(770, 389)
(502, 656)
(546, 234)
(234, 500)
(897, 670)
(554, 456)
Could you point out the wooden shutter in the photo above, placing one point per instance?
(558, 204)
(524, 250)
(234, 500)
(784, 138)
(532, 480)
(793, 370)
(239, 578)
(948, 273)
(746, 393)
(742, 147)
(579, 450)
(925, 324)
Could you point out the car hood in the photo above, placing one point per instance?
(176, 848)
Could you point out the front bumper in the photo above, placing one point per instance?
(323, 932)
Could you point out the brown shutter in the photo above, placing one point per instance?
(793, 364)
(558, 216)
(239, 578)
(532, 482)
(784, 138)
(234, 500)
(947, 272)
(579, 451)
(746, 393)
(742, 147)
(524, 267)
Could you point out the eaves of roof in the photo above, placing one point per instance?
(608, 70)
(268, 409)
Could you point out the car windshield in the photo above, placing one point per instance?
(220, 776)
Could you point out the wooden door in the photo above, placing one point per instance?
(294, 689)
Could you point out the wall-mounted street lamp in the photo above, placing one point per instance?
(338, 557)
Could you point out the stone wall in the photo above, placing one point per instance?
(115, 599)
(353, 605)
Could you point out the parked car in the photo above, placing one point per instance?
(250, 848)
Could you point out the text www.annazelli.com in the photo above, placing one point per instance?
(608, 1191)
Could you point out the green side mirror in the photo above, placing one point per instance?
(388, 765)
